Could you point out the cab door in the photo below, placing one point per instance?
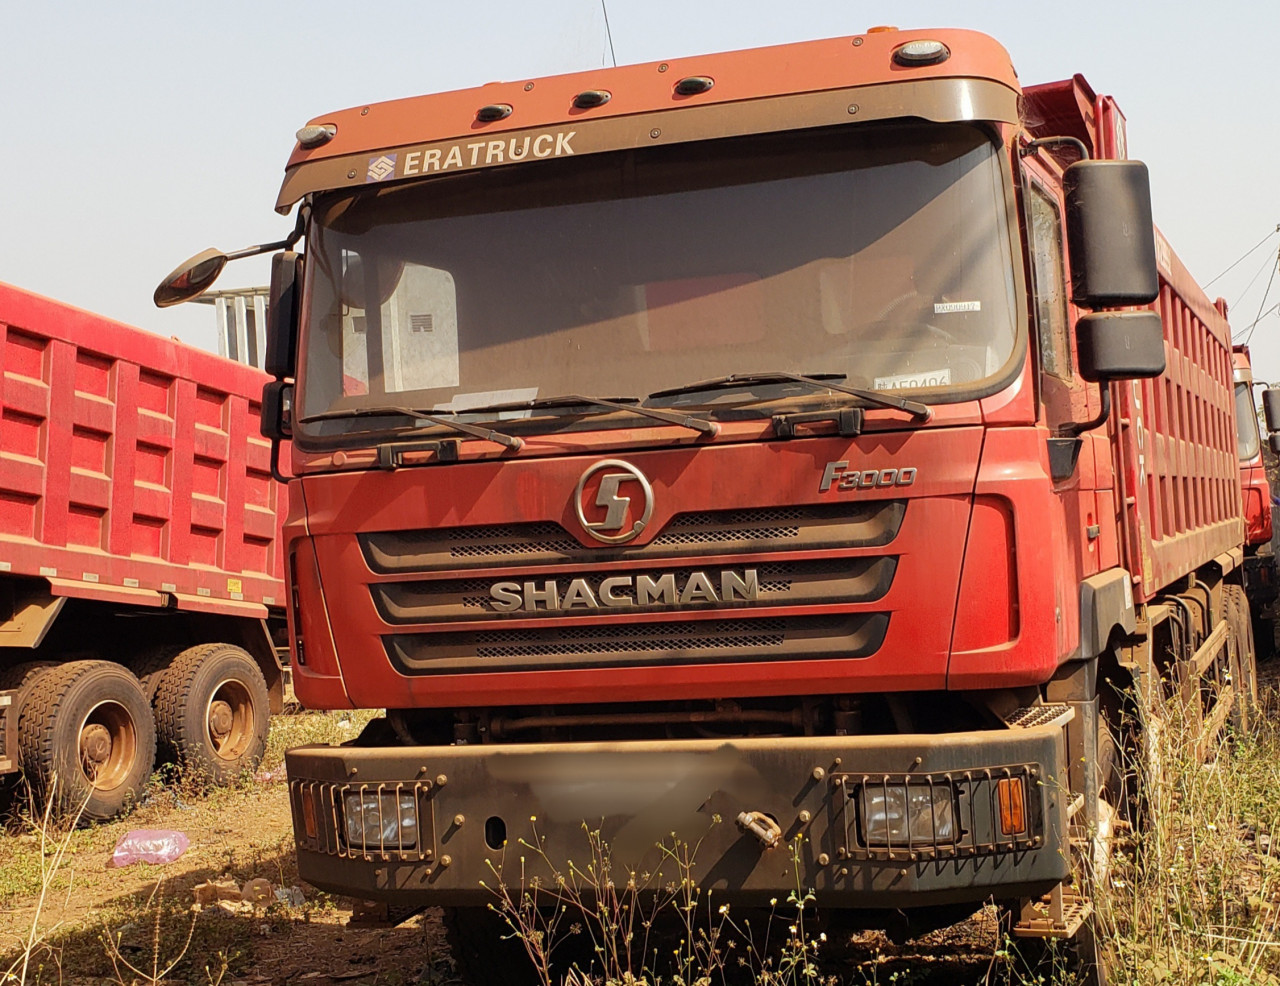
(1065, 399)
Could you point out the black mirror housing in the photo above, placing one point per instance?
(1274, 442)
(277, 410)
(1120, 345)
(1271, 408)
(1110, 234)
(283, 306)
(190, 279)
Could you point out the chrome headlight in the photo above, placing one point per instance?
(381, 820)
(896, 814)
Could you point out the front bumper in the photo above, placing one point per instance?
(652, 802)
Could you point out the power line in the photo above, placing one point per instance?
(1252, 281)
(608, 33)
(1232, 267)
(1249, 330)
(1266, 294)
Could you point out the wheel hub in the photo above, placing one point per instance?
(95, 747)
(220, 719)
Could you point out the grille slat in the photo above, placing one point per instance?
(709, 641)
(821, 581)
(809, 527)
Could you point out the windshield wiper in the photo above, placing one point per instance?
(437, 416)
(571, 400)
(818, 381)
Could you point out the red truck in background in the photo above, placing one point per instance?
(805, 452)
(140, 568)
(1261, 578)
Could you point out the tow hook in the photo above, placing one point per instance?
(762, 827)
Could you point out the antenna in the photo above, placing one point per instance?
(608, 32)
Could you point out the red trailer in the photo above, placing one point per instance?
(139, 556)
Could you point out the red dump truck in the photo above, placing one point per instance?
(140, 568)
(1261, 578)
(805, 452)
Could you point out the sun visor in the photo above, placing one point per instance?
(937, 100)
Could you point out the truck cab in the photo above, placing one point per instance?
(1262, 581)
(775, 451)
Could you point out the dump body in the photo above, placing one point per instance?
(141, 586)
(133, 470)
(757, 597)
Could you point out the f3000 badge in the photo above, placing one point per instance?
(839, 475)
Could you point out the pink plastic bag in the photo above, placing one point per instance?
(149, 846)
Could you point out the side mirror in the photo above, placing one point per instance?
(190, 279)
(1271, 408)
(1110, 234)
(282, 315)
(1120, 345)
(277, 410)
(1274, 442)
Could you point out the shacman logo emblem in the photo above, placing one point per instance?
(381, 168)
(623, 518)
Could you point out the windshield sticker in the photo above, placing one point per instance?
(484, 398)
(380, 168)
(915, 381)
(944, 307)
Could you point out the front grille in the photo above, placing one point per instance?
(685, 641)
(798, 528)
(828, 580)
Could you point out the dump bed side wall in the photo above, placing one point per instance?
(1176, 441)
(131, 466)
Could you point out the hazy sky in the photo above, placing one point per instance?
(134, 134)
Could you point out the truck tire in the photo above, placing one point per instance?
(20, 677)
(212, 711)
(151, 664)
(1244, 672)
(485, 949)
(87, 739)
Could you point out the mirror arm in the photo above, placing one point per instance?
(1039, 142)
(276, 474)
(286, 244)
(1076, 428)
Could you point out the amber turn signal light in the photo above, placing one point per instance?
(309, 815)
(1011, 796)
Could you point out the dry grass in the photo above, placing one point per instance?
(1197, 899)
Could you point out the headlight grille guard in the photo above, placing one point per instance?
(319, 821)
(976, 812)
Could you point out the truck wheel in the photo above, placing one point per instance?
(151, 664)
(20, 677)
(486, 949)
(87, 739)
(1244, 676)
(212, 712)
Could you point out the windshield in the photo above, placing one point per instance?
(878, 254)
(1248, 441)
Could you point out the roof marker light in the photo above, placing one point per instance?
(591, 98)
(693, 85)
(492, 112)
(915, 53)
(313, 135)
